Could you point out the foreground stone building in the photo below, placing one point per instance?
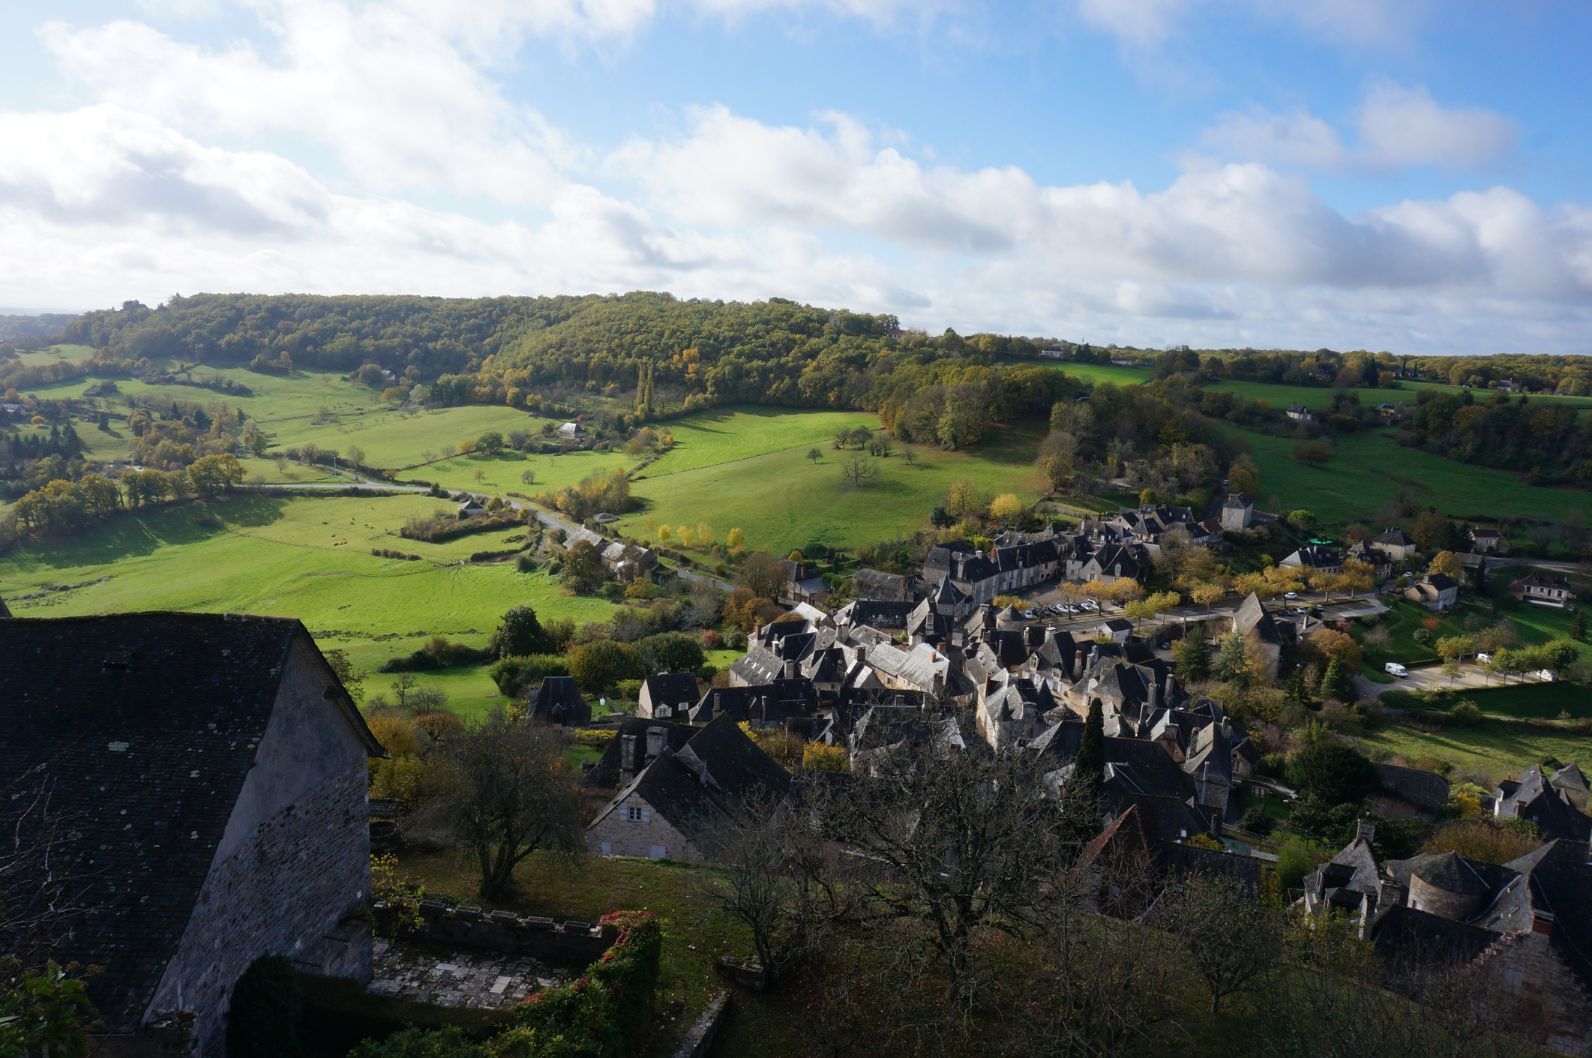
(201, 783)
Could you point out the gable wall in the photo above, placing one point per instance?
(627, 838)
(293, 864)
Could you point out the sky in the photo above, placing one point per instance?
(1409, 175)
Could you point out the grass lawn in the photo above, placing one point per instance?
(1115, 373)
(724, 435)
(302, 557)
(1279, 396)
(55, 354)
(502, 474)
(1370, 469)
(396, 439)
(1520, 727)
(782, 500)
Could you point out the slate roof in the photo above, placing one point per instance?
(3, 611)
(1426, 790)
(774, 702)
(605, 773)
(558, 700)
(1405, 936)
(144, 727)
(1555, 878)
(717, 772)
(878, 586)
(670, 688)
(1395, 537)
(1251, 616)
(889, 616)
(1238, 501)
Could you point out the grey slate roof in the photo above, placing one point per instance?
(1425, 790)
(606, 772)
(144, 726)
(558, 700)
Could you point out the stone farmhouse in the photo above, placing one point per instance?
(620, 557)
(1314, 558)
(667, 695)
(1555, 805)
(1395, 543)
(208, 774)
(1238, 511)
(1435, 591)
(557, 700)
(673, 806)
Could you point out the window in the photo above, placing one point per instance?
(657, 852)
(608, 848)
(633, 814)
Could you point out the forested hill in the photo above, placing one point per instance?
(605, 335)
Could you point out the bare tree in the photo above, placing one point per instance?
(507, 791)
(858, 471)
(1231, 939)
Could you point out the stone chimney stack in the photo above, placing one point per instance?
(657, 738)
(1155, 696)
(1077, 661)
(628, 764)
(792, 670)
(1365, 828)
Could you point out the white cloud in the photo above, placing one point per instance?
(1139, 23)
(1405, 126)
(396, 103)
(1397, 126)
(1295, 138)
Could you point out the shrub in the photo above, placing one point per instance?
(396, 735)
(267, 1004)
(515, 676)
(818, 757)
(1466, 714)
(420, 1043)
(437, 653)
(604, 1014)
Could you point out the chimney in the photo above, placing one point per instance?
(627, 757)
(1171, 689)
(1541, 921)
(1365, 828)
(657, 738)
(1077, 661)
(792, 670)
(1094, 655)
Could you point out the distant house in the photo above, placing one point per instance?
(1238, 510)
(803, 582)
(617, 555)
(208, 775)
(1316, 558)
(635, 745)
(571, 431)
(1395, 543)
(471, 508)
(1485, 541)
(1300, 413)
(673, 807)
(1548, 804)
(558, 701)
(1117, 629)
(1543, 589)
(1252, 622)
(1435, 592)
(667, 696)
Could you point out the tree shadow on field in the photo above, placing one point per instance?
(134, 534)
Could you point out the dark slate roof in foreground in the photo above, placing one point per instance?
(142, 727)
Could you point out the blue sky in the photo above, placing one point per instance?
(1413, 176)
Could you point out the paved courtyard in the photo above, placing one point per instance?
(427, 974)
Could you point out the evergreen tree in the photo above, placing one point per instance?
(1193, 656)
(1232, 666)
(1090, 764)
(1298, 687)
(1080, 797)
(1578, 628)
(1334, 684)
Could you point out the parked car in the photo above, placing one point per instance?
(1484, 658)
(1545, 675)
(1291, 595)
(1393, 668)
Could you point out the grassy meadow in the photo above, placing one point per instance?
(782, 500)
(1520, 727)
(1369, 470)
(301, 557)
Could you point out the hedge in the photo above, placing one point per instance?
(604, 1014)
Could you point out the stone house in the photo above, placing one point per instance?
(571, 431)
(1485, 541)
(1300, 413)
(667, 696)
(1254, 623)
(1395, 543)
(1315, 558)
(1543, 589)
(210, 774)
(1238, 510)
(673, 807)
(1435, 591)
(471, 508)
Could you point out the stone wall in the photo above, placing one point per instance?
(292, 873)
(627, 837)
(569, 944)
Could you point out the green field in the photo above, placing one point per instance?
(398, 439)
(501, 475)
(782, 500)
(1370, 469)
(715, 437)
(302, 557)
(1520, 729)
(56, 354)
(1119, 374)
(1279, 396)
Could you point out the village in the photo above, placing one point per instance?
(241, 821)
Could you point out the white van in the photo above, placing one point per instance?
(1393, 668)
(1484, 658)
